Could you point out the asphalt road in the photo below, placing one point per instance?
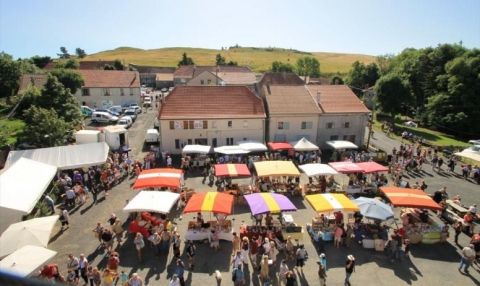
(427, 265)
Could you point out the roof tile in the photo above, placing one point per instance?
(337, 99)
(102, 78)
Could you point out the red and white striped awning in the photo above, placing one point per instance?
(157, 178)
(232, 170)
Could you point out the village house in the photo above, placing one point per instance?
(214, 75)
(102, 88)
(210, 115)
(343, 116)
(157, 77)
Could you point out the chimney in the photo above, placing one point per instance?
(318, 97)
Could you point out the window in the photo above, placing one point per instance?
(131, 91)
(283, 125)
(122, 92)
(172, 125)
(185, 124)
(245, 124)
(346, 124)
(306, 125)
(177, 143)
(205, 124)
(350, 138)
(85, 92)
(209, 81)
(334, 137)
(106, 92)
(229, 141)
(189, 141)
(229, 124)
(330, 125)
(214, 142)
(202, 82)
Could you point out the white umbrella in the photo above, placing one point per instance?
(26, 259)
(373, 208)
(30, 232)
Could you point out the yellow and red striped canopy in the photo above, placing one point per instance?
(210, 202)
(231, 170)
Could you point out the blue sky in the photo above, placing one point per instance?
(375, 27)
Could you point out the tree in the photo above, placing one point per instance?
(63, 53)
(219, 60)
(40, 62)
(308, 66)
(9, 74)
(44, 128)
(117, 64)
(336, 80)
(108, 67)
(186, 61)
(393, 94)
(69, 78)
(362, 76)
(80, 53)
(278, 66)
(232, 63)
(68, 64)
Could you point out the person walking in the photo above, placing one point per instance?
(180, 270)
(139, 244)
(282, 273)
(135, 280)
(264, 268)
(64, 217)
(191, 249)
(301, 255)
(349, 268)
(322, 274)
(458, 229)
(468, 256)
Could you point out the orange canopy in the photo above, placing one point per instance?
(210, 202)
(414, 198)
(157, 178)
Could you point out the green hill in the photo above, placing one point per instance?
(259, 59)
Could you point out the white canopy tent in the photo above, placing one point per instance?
(317, 169)
(253, 146)
(231, 150)
(304, 145)
(341, 144)
(196, 149)
(26, 260)
(35, 231)
(65, 157)
(152, 201)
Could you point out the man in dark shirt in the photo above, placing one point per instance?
(349, 268)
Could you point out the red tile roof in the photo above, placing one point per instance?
(289, 99)
(281, 78)
(337, 99)
(190, 102)
(102, 78)
(28, 80)
(192, 71)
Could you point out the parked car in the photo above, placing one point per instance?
(103, 117)
(126, 121)
(108, 111)
(147, 101)
(116, 108)
(411, 124)
(137, 108)
(87, 111)
(152, 136)
(132, 113)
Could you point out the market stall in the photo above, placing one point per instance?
(25, 260)
(158, 178)
(322, 183)
(196, 149)
(417, 223)
(226, 172)
(252, 146)
(303, 145)
(325, 206)
(217, 203)
(151, 207)
(371, 167)
(231, 150)
(350, 169)
(278, 176)
(279, 146)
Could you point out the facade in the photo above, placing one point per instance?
(159, 77)
(210, 115)
(214, 75)
(343, 115)
(103, 89)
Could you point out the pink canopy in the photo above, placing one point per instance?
(346, 167)
(276, 146)
(372, 167)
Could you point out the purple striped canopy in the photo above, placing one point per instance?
(261, 203)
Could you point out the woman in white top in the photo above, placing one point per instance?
(139, 244)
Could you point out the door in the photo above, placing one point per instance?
(121, 136)
(214, 142)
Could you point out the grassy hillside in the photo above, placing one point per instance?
(259, 59)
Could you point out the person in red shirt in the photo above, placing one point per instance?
(467, 221)
(254, 251)
(338, 217)
(49, 271)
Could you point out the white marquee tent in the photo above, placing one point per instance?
(304, 145)
(152, 201)
(196, 149)
(64, 157)
(341, 144)
(252, 146)
(317, 170)
(231, 150)
(26, 260)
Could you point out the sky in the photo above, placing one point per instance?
(374, 27)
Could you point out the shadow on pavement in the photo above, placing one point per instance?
(436, 252)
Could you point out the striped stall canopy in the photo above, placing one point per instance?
(231, 170)
(331, 202)
(412, 198)
(157, 178)
(261, 203)
(210, 202)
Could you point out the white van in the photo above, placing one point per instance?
(103, 117)
(126, 121)
(152, 136)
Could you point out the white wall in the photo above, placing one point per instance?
(357, 124)
(294, 131)
(241, 129)
(98, 99)
(205, 77)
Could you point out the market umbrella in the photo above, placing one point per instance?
(373, 208)
(152, 201)
(261, 203)
(232, 170)
(25, 260)
(157, 178)
(210, 202)
(30, 232)
(331, 202)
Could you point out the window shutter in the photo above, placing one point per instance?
(205, 124)
(185, 124)
(172, 125)
(190, 124)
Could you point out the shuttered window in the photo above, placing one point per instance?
(172, 125)
(185, 124)
(205, 124)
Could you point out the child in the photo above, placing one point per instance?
(123, 278)
(71, 278)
